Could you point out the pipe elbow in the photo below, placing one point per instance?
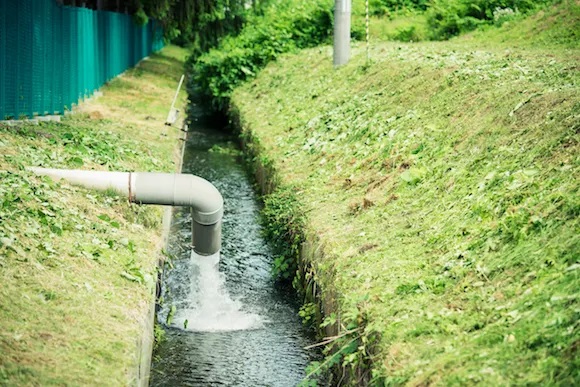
(205, 201)
(192, 191)
(179, 190)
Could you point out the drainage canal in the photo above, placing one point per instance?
(228, 323)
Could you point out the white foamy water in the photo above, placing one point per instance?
(213, 309)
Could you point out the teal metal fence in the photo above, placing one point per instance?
(52, 56)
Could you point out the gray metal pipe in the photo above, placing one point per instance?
(171, 189)
(205, 201)
(341, 47)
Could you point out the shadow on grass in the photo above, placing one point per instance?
(162, 65)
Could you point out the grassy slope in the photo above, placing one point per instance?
(68, 316)
(442, 181)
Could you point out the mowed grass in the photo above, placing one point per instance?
(441, 180)
(78, 267)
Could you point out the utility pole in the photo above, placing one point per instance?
(341, 32)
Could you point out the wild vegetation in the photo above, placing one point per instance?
(78, 267)
(283, 26)
(439, 183)
(277, 27)
(196, 24)
(417, 20)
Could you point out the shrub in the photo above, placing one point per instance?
(407, 34)
(448, 18)
(381, 7)
(283, 27)
(283, 224)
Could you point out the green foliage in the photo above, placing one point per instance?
(283, 27)
(171, 315)
(159, 334)
(229, 148)
(308, 313)
(283, 227)
(441, 19)
(140, 17)
(407, 34)
(464, 156)
(558, 28)
(404, 26)
(198, 24)
(81, 142)
(386, 7)
(347, 354)
(448, 18)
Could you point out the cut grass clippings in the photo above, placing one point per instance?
(441, 181)
(77, 266)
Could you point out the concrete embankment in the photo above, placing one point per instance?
(78, 267)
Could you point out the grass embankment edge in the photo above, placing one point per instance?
(297, 249)
(79, 267)
(449, 219)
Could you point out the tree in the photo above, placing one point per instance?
(199, 23)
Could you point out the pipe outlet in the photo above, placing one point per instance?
(170, 189)
(205, 201)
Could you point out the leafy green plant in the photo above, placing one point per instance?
(159, 334)
(466, 153)
(284, 26)
(347, 354)
(386, 7)
(448, 18)
(283, 226)
(407, 34)
(308, 312)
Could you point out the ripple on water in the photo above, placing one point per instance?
(215, 310)
(241, 329)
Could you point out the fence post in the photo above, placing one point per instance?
(3, 110)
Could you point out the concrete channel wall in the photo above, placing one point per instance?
(145, 344)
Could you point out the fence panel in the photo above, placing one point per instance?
(52, 56)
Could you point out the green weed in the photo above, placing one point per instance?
(283, 227)
(281, 27)
(441, 182)
(77, 266)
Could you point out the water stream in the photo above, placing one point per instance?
(231, 325)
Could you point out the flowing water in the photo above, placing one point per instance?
(231, 325)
